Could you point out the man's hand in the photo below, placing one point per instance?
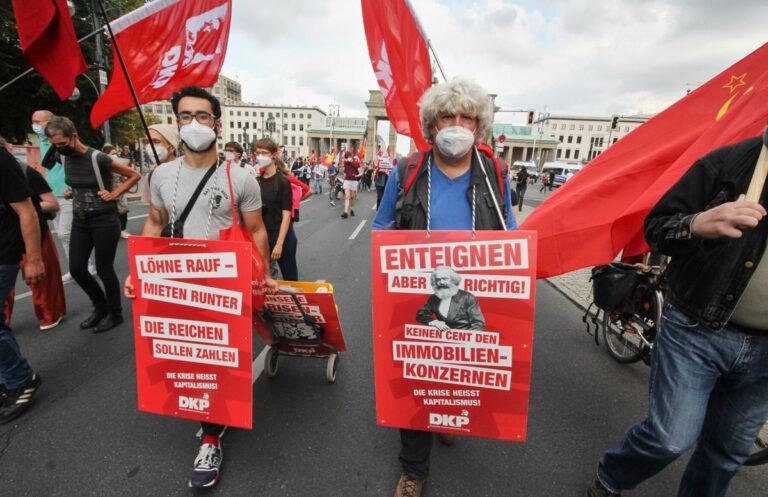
(728, 220)
(67, 193)
(277, 252)
(270, 285)
(440, 325)
(34, 270)
(106, 195)
(128, 289)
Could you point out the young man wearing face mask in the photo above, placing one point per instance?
(233, 152)
(199, 116)
(454, 187)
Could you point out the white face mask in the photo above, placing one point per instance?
(162, 152)
(454, 141)
(263, 160)
(197, 137)
(229, 156)
(39, 130)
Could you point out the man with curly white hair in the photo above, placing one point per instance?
(452, 186)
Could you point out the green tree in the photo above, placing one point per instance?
(127, 128)
(32, 92)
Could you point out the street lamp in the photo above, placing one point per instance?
(333, 112)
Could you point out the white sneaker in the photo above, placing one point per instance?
(207, 466)
(48, 326)
(66, 278)
(92, 270)
(124, 234)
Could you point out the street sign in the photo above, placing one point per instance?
(103, 77)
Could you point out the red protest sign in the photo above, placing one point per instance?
(453, 330)
(281, 319)
(192, 328)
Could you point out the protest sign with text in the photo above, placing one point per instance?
(192, 328)
(282, 319)
(453, 330)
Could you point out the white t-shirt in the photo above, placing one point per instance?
(215, 194)
(320, 171)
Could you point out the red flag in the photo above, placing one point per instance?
(167, 45)
(361, 151)
(600, 211)
(400, 59)
(49, 43)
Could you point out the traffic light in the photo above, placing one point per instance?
(614, 122)
(530, 117)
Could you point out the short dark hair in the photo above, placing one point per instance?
(108, 148)
(238, 148)
(60, 125)
(197, 92)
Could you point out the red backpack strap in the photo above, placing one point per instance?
(488, 152)
(231, 196)
(413, 166)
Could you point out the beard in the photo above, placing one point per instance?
(446, 292)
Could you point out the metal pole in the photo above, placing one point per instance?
(99, 59)
(437, 60)
(128, 80)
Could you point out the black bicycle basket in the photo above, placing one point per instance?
(612, 284)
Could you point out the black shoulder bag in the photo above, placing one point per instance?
(177, 229)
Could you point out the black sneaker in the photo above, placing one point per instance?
(15, 401)
(93, 319)
(351, 212)
(596, 489)
(109, 322)
(207, 466)
(344, 215)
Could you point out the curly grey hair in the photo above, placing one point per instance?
(458, 95)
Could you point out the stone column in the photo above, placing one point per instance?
(392, 138)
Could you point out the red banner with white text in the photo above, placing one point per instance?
(192, 328)
(453, 330)
(167, 45)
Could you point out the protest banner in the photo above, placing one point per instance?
(192, 328)
(453, 330)
(286, 321)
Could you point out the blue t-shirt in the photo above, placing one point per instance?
(450, 208)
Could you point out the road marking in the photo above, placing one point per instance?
(357, 230)
(306, 200)
(29, 294)
(138, 217)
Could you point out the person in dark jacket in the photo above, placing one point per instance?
(709, 372)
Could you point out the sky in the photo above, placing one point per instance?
(581, 57)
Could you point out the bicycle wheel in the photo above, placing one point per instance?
(760, 449)
(622, 338)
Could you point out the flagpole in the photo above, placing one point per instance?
(128, 79)
(426, 38)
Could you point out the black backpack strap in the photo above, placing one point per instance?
(196, 194)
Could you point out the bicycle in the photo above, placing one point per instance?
(630, 329)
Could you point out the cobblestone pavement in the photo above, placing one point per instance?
(574, 285)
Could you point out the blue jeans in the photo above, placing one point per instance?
(705, 386)
(318, 184)
(14, 369)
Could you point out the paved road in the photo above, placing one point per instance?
(85, 436)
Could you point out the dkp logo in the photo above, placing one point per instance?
(193, 404)
(448, 420)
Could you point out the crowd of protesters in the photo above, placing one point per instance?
(713, 337)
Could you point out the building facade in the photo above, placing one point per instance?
(523, 143)
(286, 124)
(582, 138)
